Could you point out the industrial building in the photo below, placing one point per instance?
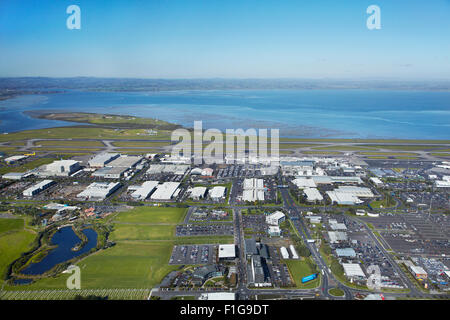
(14, 175)
(125, 161)
(284, 253)
(197, 193)
(99, 190)
(337, 236)
(145, 190)
(14, 159)
(353, 271)
(312, 194)
(293, 252)
(217, 193)
(100, 160)
(376, 181)
(227, 251)
(302, 183)
(37, 188)
(176, 169)
(418, 272)
(275, 218)
(110, 172)
(61, 168)
(165, 191)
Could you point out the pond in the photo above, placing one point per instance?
(65, 239)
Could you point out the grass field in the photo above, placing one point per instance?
(129, 264)
(299, 269)
(14, 240)
(142, 232)
(336, 292)
(152, 215)
(139, 144)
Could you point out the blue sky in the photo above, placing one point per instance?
(227, 38)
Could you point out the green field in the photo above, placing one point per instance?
(142, 232)
(14, 240)
(129, 264)
(299, 269)
(336, 292)
(139, 144)
(152, 215)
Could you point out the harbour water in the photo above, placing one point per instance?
(297, 113)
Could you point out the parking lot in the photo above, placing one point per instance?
(193, 254)
(217, 229)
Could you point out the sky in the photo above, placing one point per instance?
(226, 39)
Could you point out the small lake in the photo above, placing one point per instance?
(65, 239)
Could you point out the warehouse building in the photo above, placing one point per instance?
(100, 160)
(37, 188)
(99, 190)
(217, 193)
(15, 175)
(110, 172)
(293, 252)
(197, 193)
(176, 169)
(353, 271)
(125, 161)
(145, 190)
(165, 191)
(14, 159)
(312, 194)
(284, 253)
(337, 236)
(376, 181)
(61, 168)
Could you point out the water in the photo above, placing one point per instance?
(297, 113)
(65, 239)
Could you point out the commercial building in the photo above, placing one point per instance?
(336, 226)
(253, 190)
(100, 160)
(353, 271)
(37, 188)
(274, 231)
(376, 181)
(418, 272)
(202, 274)
(144, 191)
(227, 251)
(259, 273)
(304, 183)
(165, 191)
(217, 193)
(176, 169)
(218, 296)
(346, 253)
(99, 190)
(250, 247)
(275, 218)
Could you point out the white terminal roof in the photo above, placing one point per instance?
(217, 192)
(227, 251)
(376, 180)
(353, 270)
(144, 191)
(165, 191)
(57, 165)
(313, 194)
